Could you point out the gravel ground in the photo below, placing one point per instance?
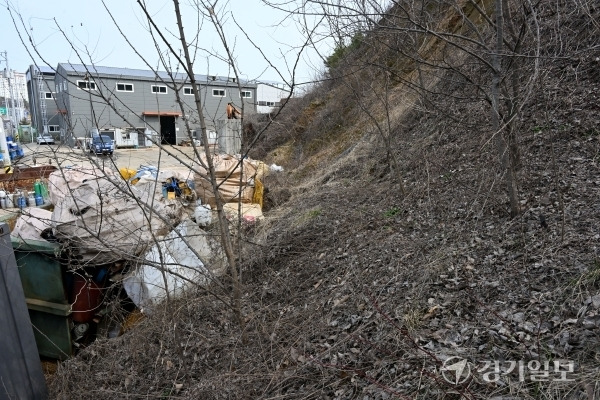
(126, 157)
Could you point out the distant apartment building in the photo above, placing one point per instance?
(18, 83)
(98, 97)
(13, 88)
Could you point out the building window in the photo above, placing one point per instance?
(53, 128)
(47, 95)
(124, 87)
(188, 91)
(266, 103)
(247, 94)
(86, 85)
(159, 89)
(218, 92)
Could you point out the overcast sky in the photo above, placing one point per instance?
(96, 39)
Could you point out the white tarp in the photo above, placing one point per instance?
(32, 223)
(180, 266)
(106, 221)
(62, 182)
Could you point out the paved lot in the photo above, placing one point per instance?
(130, 158)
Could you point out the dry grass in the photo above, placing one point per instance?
(355, 290)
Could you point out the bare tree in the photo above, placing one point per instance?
(179, 68)
(421, 44)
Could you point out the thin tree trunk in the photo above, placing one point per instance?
(222, 220)
(504, 150)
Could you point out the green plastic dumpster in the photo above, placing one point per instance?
(42, 277)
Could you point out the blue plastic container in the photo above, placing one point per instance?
(21, 202)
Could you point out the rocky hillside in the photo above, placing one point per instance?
(389, 253)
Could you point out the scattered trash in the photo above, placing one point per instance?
(102, 218)
(172, 188)
(202, 214)
(25, 187)
(189, 143)
(235, 180)
(127, 173)
(262, 169)
(175, 182)
(15, 151)
(276, 168)
(250, 212)
(105, 220)
(259, 190)
(32, 223)
(62, 183)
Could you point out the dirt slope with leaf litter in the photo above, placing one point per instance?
(353, 289)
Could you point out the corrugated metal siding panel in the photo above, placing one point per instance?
(132, 104)
(20, 370)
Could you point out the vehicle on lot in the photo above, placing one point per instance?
(102, 144)
(45, 139)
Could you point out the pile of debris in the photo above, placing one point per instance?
(146, 230)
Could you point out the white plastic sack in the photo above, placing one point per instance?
(276, 168)
(32, 223)
(182, 268)
(203, 214)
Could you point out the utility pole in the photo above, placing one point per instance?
(8, 75)
(3, 145)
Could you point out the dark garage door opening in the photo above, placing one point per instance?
(167, 130)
